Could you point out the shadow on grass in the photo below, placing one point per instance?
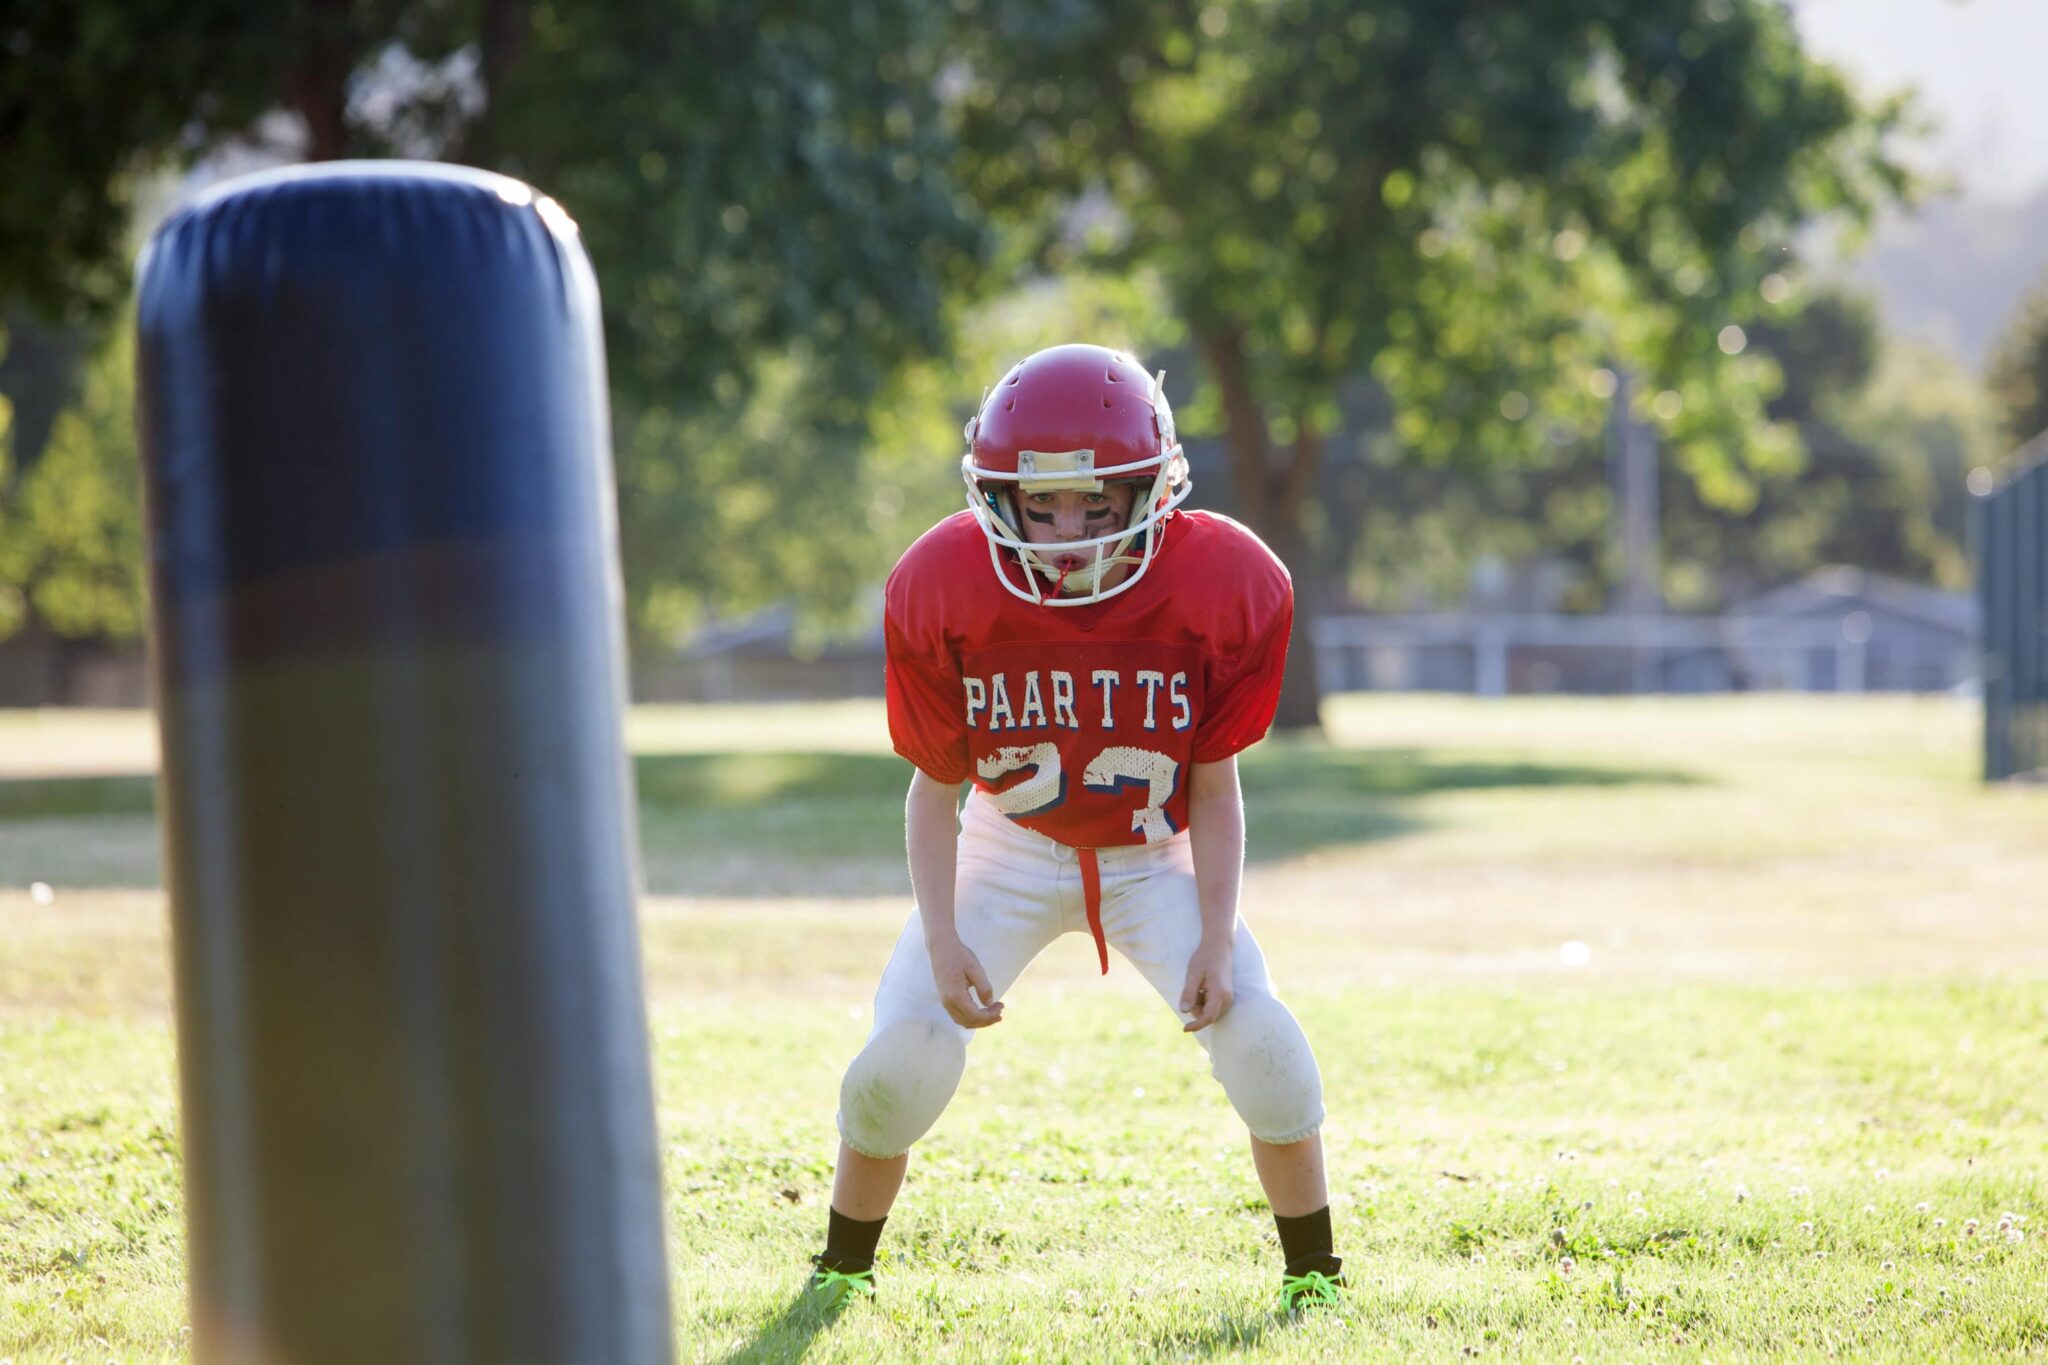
(789, 1336)
(744, 824)
(782, 822)
(1224, 1334)
(1301, 797)
(59, 798)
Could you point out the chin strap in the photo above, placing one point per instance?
(1060, 576)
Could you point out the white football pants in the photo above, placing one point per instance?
(1017, 891)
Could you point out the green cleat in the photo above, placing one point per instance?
(1313, 1289)
(834, 1287)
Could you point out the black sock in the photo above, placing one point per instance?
(1306, 1243)
(850, 1243)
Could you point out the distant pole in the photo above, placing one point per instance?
(1632, 473)
(1490, 655)
(418, 1117)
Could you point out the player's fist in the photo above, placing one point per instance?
(963, 985)
(1206, 997)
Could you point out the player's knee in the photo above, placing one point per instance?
(899, 1085)
(1262, 1058)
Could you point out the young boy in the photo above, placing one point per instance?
(1092, 659)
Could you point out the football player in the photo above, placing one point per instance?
(1091, 658)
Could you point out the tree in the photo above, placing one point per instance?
(763, 190)
(1483, 205)
(766, 196)
(1934, 422)
(1880, 440)
(97, 94)
(747, 495)
(746, 179)
(2019, 370)
(71, 537)
(1885, 442)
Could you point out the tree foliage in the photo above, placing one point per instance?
(2019, 370)
(1478, 210)
(767, 198)
(776, 493)
(749, 179)
(1482, 205)
(763, 189)
(71, 527)
(1886, 440)
(1879, 442)
(97, 94)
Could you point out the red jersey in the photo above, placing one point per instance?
(1081, 721)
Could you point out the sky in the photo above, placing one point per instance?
(1977, 64)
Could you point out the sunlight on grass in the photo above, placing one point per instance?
(1785, 1101)
(1620, 1175)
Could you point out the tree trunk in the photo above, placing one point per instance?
(1271, 499)
(316, 85)
(501, 45)
(320, 101)
(1301, 696)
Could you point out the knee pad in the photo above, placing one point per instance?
(1263, 1060)
(899, 1085)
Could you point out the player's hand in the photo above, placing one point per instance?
(1207, 994)
(963, 985)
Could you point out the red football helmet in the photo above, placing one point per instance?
(1074, 418)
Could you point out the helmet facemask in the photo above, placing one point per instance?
(992, 495)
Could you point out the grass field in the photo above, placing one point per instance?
(1792, 1105)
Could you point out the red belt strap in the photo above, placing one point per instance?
(1091, 896)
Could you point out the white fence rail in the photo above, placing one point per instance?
(1498, 655)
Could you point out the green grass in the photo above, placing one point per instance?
(1479, 1139)
(1817, 1000)
(848, 805)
